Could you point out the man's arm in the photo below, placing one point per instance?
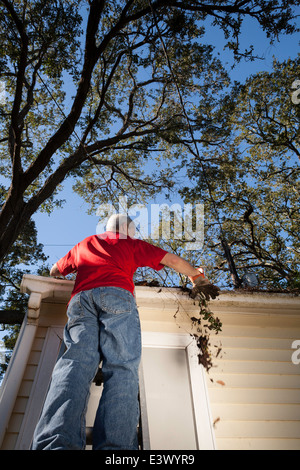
(200, 283)
(179, 264)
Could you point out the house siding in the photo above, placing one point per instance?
(22, 398)
(254, 389)
(253, 385)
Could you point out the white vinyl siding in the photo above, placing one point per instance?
(258, 407)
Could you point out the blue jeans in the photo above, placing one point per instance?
(103, 324)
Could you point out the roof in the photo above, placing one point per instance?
(53, 290)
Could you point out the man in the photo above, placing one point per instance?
(103, 325)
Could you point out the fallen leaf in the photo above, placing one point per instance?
(220, 382)
(216, 421)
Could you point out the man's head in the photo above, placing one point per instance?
(121, 223)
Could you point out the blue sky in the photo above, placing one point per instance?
(67, 226)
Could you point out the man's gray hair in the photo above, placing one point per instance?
(116, 221)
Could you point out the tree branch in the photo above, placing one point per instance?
(15, 128)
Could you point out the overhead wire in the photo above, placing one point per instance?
(111, 192)
(175, 81)
(81, 144)
(223, 237)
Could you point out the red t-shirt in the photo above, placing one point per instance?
(109, 259)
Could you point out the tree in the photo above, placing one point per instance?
(124, 107)
(254, 194)
(25, 256)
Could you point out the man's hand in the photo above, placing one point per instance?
(54, 271)
(202, 285)
(196, 275)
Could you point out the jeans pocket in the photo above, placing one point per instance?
(75, 311)
(116, 301)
